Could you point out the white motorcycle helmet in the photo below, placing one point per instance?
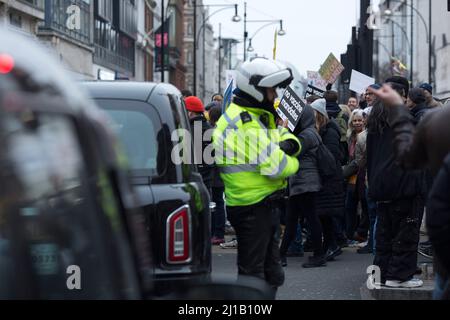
(254, 77)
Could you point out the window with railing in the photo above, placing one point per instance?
(39, 4)
(113, 49)
(69, 17)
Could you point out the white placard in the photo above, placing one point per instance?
(360, 82)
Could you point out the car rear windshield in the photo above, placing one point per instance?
(137, 125)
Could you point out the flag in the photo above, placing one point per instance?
(227, 96)
(275, 45)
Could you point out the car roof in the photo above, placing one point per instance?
(128, 90)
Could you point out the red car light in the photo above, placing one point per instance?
(6, 63)
(178, 245)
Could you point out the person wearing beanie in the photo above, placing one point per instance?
(330, 204)
(417, 104)
(196, 111)
(428, 91)
(400, 198)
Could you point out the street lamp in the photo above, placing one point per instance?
(428, 28)
(281, 32)
(235, 18)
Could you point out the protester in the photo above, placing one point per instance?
(186, 93)
(311, 99)
(336, 113)
(426, 145)
(428, 91)
(196, 111)
(370, 99)
(399, 195)
(331, 198)
(253, 189)
(303, 188)
(417, 104)
(218, 220)
(217, 98)
(356, 177)
(353, 104)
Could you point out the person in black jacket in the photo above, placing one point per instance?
(331, 199)
(400, 199)
(303, 188)
(417, 104)
(196, 111)
(426, 145)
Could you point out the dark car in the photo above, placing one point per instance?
(67, 227)
(173, 197)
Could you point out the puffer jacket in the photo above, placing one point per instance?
(307, 179)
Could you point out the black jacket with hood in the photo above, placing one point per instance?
(307, 180)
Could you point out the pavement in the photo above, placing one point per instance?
(344, 279)
(340, 280)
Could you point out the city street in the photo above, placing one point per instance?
(340, 280)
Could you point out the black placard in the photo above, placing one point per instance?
(291, 108)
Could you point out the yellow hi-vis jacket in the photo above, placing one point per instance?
(253, 167)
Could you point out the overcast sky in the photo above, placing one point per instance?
(314, 28)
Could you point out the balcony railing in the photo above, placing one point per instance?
(113, 49)
(38, 4)
(57, 17)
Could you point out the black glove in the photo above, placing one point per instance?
(290, 147)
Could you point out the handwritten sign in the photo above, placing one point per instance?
(331, 69)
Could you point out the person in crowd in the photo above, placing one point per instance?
(218, 220)
(417, 104)
(196, 112)
(336, 113)
(356, 177)
(331, 198)
(426, 145)
(303, 189)
(186, 93)
(353, 104)
(311, 99)
(399, 196)
(431, 102)
(370, 99)
(217, 98)
(254, 189)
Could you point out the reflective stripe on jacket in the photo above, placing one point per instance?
(253, 167)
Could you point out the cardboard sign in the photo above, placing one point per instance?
(360, 82)
(291, 108)
(331, 69)
(316, 81)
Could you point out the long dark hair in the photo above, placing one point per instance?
(378, 119)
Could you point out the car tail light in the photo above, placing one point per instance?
(178, 245)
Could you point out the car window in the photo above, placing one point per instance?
(50, 226)
(139, 128)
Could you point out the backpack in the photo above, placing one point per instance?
(326, 163)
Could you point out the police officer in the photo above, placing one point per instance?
(256, 158)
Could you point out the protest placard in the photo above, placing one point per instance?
(316, 81)
(360, 82)
(291, 108)
(331, 69)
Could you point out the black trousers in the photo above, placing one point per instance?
(299, 206)
(397, 238)
(329, 237)
(258, 232)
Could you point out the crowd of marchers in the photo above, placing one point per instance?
(360, 175)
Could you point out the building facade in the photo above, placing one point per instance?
(410, 32)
